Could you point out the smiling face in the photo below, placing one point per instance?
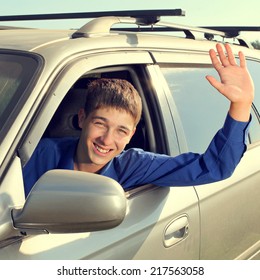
(105, 133)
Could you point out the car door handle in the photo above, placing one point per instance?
(176, 230)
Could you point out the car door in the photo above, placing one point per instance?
(160, 223)
(229, 212)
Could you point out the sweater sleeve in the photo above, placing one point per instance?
(219, 161)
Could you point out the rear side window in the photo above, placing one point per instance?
(17, 72)
(254, 131)
(201, 108)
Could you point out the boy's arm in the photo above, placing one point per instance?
(235, 82)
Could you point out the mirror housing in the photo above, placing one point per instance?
(66, 201)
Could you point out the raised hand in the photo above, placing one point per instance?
(235, 81)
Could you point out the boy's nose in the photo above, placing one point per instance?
(107, 138)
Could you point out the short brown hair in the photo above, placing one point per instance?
(115, 93)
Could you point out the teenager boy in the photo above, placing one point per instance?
(109, 119)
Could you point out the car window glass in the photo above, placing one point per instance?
(254, 69)
(201, 108)
(254, 131)
(16, 72)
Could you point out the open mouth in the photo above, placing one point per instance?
(101, 150)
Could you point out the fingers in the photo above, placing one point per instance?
(214, 59)
(230, 55)
(219, 59)
(242, 60)
(225, 59)
(222, 56)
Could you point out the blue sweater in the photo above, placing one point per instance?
(136, 167)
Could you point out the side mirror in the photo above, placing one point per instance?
(65, 201)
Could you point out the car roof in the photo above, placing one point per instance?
(29, 39)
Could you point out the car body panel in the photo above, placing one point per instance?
(229, 214)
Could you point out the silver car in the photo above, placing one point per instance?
(75, 215)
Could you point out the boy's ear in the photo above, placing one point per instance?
(81, 117)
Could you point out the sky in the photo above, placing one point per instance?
(198, 12)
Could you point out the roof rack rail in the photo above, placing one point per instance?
(101, 26)
(127, 13)
(228, 31)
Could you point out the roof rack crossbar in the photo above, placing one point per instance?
(127, 13)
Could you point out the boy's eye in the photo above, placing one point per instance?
(99, 124)
(123, 132)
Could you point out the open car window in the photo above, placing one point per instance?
(65, 120)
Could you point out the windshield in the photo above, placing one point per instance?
(17, 72)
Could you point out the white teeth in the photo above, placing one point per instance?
(101, 150)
